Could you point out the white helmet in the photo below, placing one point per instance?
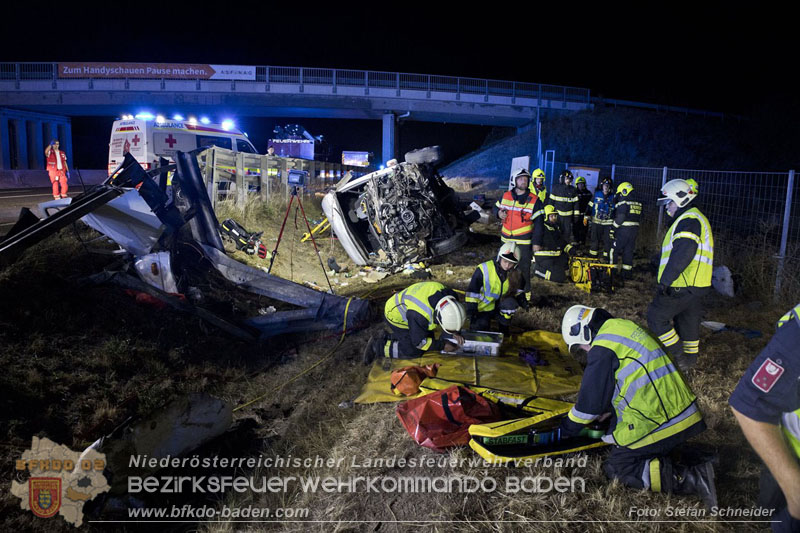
(521, 173)
(510, 252)
(450, 314)
(679, 191)
(575, 325)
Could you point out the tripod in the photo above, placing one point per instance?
(283, 225)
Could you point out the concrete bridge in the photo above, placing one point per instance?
(35, 95)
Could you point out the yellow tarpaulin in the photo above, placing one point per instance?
(506, 373)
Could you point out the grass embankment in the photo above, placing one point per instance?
(80, 359)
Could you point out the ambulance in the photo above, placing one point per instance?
(150, 138)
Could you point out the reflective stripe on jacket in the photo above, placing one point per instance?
(518, 224)
(652, 401)
(413, 298)
(492, 289)
(698, 273)
(791, 428)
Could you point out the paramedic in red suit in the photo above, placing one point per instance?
(57, 168)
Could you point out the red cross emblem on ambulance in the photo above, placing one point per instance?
(135, 140)
(170, 140)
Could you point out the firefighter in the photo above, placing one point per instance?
(630, 381)
(57, 169)
(599, 213)
(537, 186)
(766, 403)
(584, 197)
(552, 251)
(519, 211)
(684, 275)
(413, 314)
(493, 292)
(564, 197)
(627, 214)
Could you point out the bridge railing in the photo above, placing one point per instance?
(353, 78)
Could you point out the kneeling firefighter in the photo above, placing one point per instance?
(412, 315)
(551, 251)
(495, 291)
(632, 382)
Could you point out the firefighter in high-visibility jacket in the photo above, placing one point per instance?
(684, 275)
(633, 384)
(493, 292)
(537, 185)
(519, 211)
(625, 227)
(564, 197)
(413, 315)
(551, 250)
(584, 198)
(599, 214)
(766, 403)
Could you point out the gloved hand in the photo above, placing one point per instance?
(611, 234)
(523, 302)
(663, 290)
(585, 221)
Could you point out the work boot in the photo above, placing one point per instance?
(374, 348)
(686, 363)
(698, 479)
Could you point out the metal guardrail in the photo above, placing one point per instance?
(352, 78)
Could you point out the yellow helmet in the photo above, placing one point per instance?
(580, 179)
(549, 210)
(538, 173)
(625, 188)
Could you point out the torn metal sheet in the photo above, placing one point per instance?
(323, 310)
(156, 270)
(13, 246)
(129, 222)
(129, 282)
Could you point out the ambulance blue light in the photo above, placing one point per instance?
(205, 120)
(177, 117)
(160, 119)
(145, 116)
(227, 124)
(192, 120)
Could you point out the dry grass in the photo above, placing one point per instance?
(78, 360)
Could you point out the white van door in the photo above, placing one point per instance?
(166, 143)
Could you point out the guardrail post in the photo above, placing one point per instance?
(366, 82)
(241, 183)
(458, 88)
(397, 82)
(660, 208)
(334, 81)
(787, 212)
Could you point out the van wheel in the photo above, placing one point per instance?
(425, 156)
(450, 245)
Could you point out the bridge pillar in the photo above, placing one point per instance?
(37, 145)
(22, 143)
(389, 135)
(5, 152)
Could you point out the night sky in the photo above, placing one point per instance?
(729, 61)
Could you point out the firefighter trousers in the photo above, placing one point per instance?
(58, 178)
(565, 224)
(623, 247)
(552, 268)
(399, 344)
(675, 317)
(649, 467)
(600, 239)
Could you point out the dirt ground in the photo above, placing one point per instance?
(80, 359)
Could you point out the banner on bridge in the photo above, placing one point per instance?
(156, 71)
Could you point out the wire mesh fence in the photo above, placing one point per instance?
(755, 219)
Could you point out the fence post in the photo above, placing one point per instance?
(660, 210)
(787, 211)
(264, 179)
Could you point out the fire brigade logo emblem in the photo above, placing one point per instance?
(767, 375)
(45, 496)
